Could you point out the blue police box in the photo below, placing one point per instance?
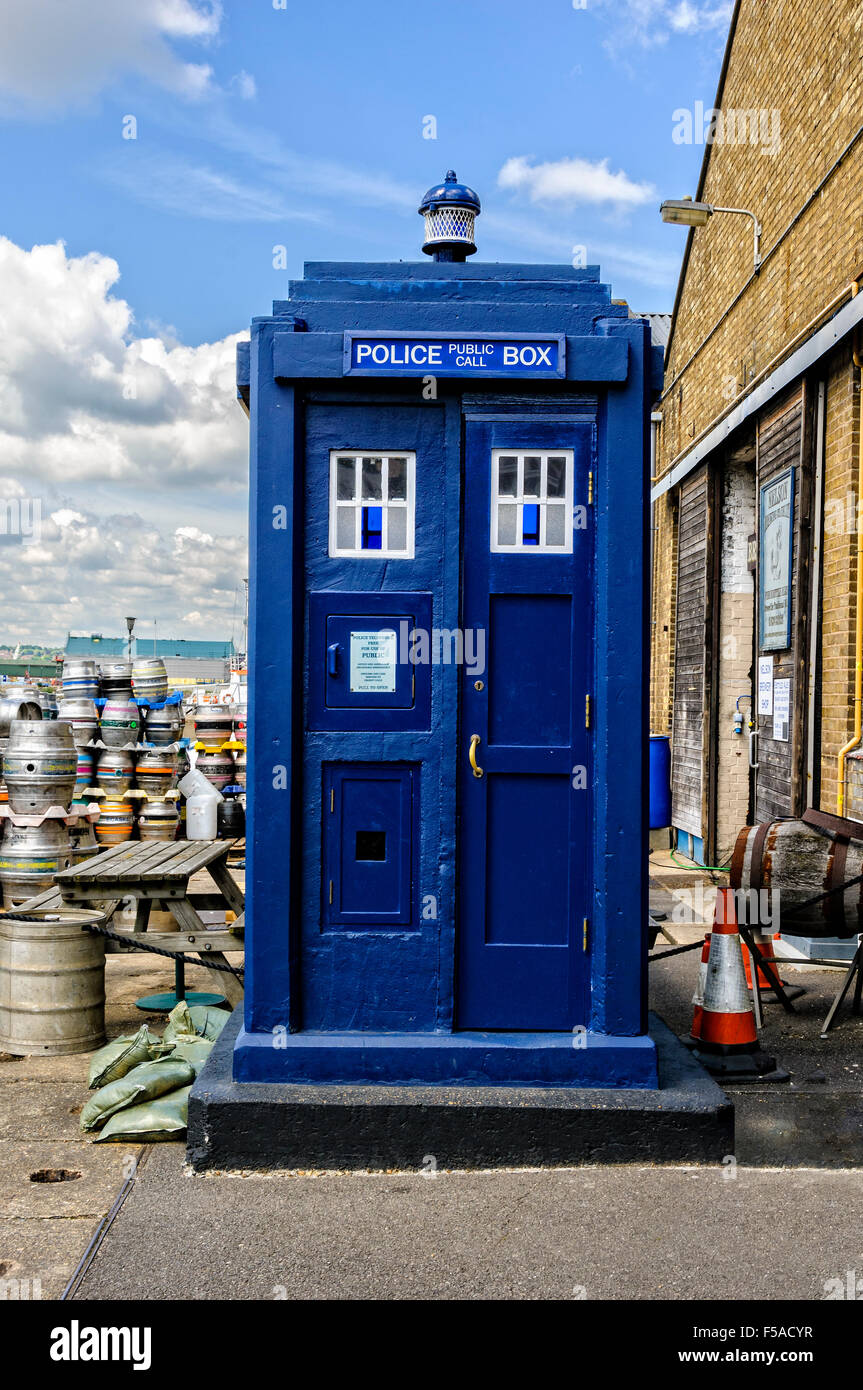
(447, 735)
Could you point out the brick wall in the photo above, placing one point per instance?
(802, 61)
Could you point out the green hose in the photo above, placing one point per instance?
(700, 868)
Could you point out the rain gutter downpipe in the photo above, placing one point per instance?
(854, 741)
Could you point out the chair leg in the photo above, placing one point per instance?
(853, 970)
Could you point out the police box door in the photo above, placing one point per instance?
(524, 743)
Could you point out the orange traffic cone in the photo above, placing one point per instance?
(767, 949)
(728, 1045)
(698, 996)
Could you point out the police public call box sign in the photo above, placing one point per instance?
(451, 354)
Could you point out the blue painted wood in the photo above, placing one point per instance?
(321, 354)
(314, 983)
(369, 813)
(619, 922)
(458, 1059)
(525, 875)
(333, 615)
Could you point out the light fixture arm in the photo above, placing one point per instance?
(756, 227)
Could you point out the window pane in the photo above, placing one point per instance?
(346, 480)
(345, 536)
(506, 521)
(555, 524)
(398, 479)
(530, 524)
(532, 471)
(372, 477)
(397, 528)
(556, 477)
(370, 538)
(507, 474)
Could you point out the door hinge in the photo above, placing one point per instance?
(331, 892)
(332, 799)
(590, 488)
(585, 933)
(587, 711)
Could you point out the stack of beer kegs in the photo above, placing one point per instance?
(214, 727)
(40, 763)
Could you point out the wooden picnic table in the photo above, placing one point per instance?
(158, 872)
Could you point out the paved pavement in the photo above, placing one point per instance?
(612, 1232)
(734, 1231)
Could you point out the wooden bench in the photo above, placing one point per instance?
(159, 872)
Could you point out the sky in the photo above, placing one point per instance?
(169, 165)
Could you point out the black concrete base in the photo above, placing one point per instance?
(273, 1125)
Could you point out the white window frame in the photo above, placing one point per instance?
(543, 501)
(356, 552)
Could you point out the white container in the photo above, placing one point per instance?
(201, 816)
(196, 784)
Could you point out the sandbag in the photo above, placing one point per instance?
(144, 1082)
(200, 1020)
(153, 1122)
(193, 1050)
(117, 1058)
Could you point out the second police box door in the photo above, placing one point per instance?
(524, 755)
(386, 551)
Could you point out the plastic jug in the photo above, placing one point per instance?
(202, 815)
(196, 784)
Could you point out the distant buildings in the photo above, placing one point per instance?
(187, 662)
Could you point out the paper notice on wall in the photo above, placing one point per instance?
(765, 685)
(373, 662)
(781, 710)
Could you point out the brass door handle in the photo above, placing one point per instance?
(474, 744)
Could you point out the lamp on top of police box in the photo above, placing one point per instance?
(449, 209)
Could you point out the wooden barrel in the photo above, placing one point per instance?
(52, 983)
(803, 859)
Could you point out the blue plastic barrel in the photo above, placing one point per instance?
(660, 781)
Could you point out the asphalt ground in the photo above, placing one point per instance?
(769, 1223)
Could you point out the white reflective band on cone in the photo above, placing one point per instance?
(698, 996)
(725, 991)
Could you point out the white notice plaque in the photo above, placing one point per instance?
(781, 710)
(373, 662)
(765, 685)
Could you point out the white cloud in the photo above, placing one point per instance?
(60, 52)
(83, 399)
(653, 22)
(573, 181)
(176, 185)
(124, 442)
(84, 574)
(243, 83)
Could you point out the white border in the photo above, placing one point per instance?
(357, 553)
(543, 548)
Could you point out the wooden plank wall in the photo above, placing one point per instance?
(688, 772)
(781, 440)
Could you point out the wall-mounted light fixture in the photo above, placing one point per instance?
(683, 212)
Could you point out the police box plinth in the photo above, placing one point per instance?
(446, 881)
